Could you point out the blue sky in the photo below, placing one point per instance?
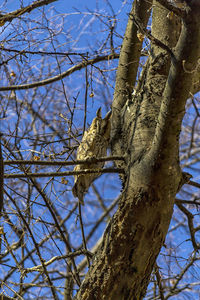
(84, 33)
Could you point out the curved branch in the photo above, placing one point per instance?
(71, 70)
(14, 14)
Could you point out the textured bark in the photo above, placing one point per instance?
(127, 70)
(195, 88)
(147, 133)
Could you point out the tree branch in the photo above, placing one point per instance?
(127, 70)
(171, 7)
(62, 163)
(19, 12)
(178, 86)
(67, 173)
(190, 218)
(39, 268)
(60, 76)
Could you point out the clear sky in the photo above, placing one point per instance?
(82, 26)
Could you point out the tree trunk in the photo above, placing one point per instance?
(145, 129)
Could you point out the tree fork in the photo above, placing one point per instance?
(132, 241)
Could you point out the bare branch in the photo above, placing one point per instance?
(19, 12)
(190, 224)
(159, 282)
(62, 163)
(39, 268)
(83, 234)
(60, 76)
(67, 173)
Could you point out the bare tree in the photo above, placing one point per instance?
(137, 236)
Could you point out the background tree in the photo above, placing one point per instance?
(57, 68)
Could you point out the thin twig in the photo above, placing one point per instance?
(193, 183)
(86, 96)
(67, 173)
(39, 268)
(45, 273)
(77, 67)
(190, 218)
(190, 202)
(159, 282)
(83, 234)
(62, 163)
(82, 54)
